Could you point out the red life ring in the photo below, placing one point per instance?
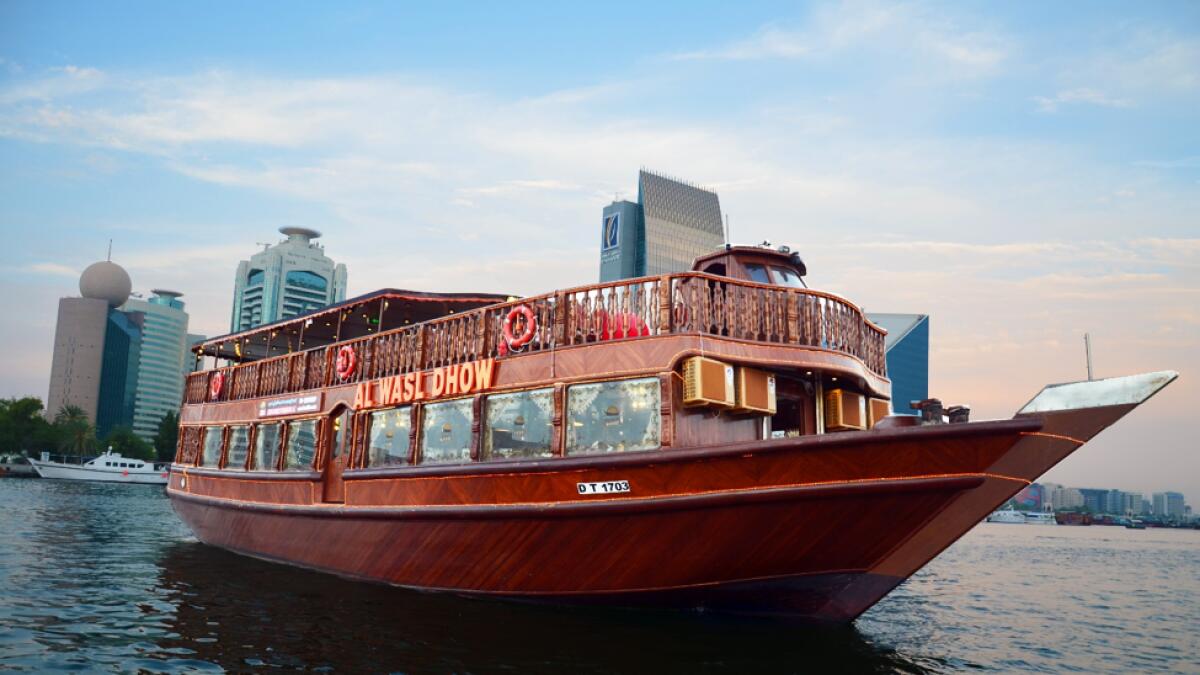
(215, 384)
(346, 362)
(517, 341)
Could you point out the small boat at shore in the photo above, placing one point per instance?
(16, 466)
(109, 467)
(720, 439)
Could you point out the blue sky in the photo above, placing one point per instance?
(1022, 172)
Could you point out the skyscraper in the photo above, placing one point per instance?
(285, 280)
(1169, 505)
(159, 384)
(97, 349)
(671, 225)
(907, 352)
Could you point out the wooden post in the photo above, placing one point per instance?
(665, 311)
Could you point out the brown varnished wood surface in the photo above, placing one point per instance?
(856, 456)
(600, 553)
(829, 507)
(614, 359)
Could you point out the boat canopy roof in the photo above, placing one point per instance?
(380, 310)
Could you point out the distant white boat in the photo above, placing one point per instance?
(110, 467)
(1014, 517)
(1040, 517)
(1008, 515)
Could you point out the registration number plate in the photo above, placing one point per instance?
(609, 487)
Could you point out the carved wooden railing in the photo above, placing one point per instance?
(630, 309)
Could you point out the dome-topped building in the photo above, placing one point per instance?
(118, 357)
(106, 280)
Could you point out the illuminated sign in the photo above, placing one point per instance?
(612, 232)
(437, 383)
(291, 405)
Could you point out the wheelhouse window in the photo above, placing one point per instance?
(618, 416)
(266, 447)
(786, 277)
(758, 273)
(239, 446)
(519, 425)
(212, 446)
(390, 431)
(446, 432)
(301, 445)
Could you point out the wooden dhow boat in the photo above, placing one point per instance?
(718, 439)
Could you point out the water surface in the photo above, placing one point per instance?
(97, 577)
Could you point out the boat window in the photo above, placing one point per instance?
(519, 425)
(758, 273)
(239, 445)
(389, 437)
(446, 432)
(786, 277)
(301, 446)
(212, 446)
(108, 464)
(266, 447)
(615, 416)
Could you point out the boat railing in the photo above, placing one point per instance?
(688, 303)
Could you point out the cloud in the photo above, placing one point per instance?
(885, 29)
(1080, 95)
(54, 269)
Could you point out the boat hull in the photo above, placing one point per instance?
(818, 527)
(729, 529)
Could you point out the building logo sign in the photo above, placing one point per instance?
(612, 232)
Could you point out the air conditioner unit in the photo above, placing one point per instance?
(878, 408)
(844, 410)
(755, 391)
(707, 382)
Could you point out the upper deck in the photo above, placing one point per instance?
(693, 304)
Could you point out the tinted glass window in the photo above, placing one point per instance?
(446, 432)
(239, 446)
(613, 416)
(301, 446)
(306, 279)
(519, 425)
(758, 273)
(255, 278)
(786, 277)
(389, 437)
(266, 447)
(212, 446)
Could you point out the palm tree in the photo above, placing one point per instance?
(76, 433)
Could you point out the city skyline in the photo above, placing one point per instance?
(1021, 175)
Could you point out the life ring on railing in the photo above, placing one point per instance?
(346, 362)
(215, 385)
(518, 341)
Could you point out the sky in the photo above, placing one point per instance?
(1022, 172)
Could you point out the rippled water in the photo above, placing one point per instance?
(100, 577)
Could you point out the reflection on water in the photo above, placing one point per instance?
(104, 577)
(238, 612)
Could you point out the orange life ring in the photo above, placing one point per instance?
(517, 341)
(215, 385)
(346, 362)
